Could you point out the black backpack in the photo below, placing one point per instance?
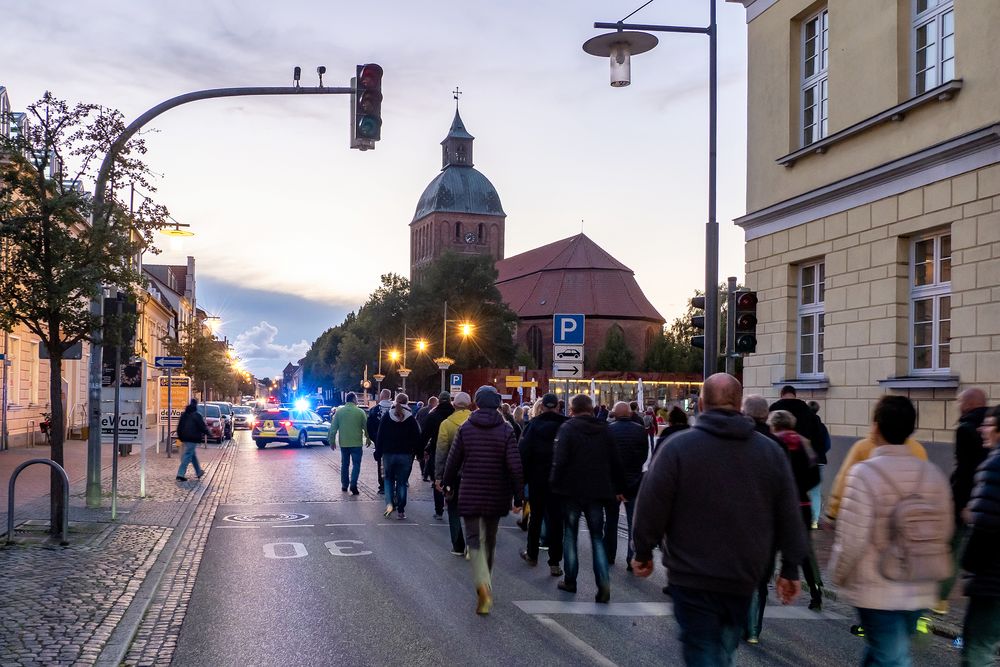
(374, 417)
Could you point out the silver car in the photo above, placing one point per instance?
(242, 417)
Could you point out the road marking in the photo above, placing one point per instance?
(655, 609)
(237, 526)
(298, 525)
(397, 524)
(335, 548)
(342, 524)
(583, 647)
(298, 549)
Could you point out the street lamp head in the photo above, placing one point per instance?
(466, 329)
(393, 355)
(421, 345)
(619, 46)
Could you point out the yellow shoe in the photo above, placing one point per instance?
(485, 600)
(941, 608)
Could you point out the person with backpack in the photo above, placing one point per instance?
(891, 549)
(536, 461)
(191, 429)
(375, 414)
(397, 443)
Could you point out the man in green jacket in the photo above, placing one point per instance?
(349, 421)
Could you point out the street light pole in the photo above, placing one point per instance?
(619, 46)
(98, 220)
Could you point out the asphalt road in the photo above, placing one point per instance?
(297, 573)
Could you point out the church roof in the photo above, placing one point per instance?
(574, 275)
(459, 190)
(458, 130)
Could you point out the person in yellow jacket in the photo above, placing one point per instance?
(446, 436)
(860, 451)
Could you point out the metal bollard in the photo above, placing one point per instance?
(65, 495)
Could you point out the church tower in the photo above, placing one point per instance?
(459, 210)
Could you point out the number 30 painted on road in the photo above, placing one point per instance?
(336, 548)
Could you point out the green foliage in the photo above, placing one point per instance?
(206, 361)
(616, 355)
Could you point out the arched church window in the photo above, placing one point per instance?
(461, 154)
(481, 237)
(534, 340)
(458, 231)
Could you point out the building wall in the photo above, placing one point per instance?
(869, 72)
(431, 236)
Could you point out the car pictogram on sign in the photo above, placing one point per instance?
(571, 353)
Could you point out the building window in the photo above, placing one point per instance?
(815, 58)
(480, 237)
(812, 291)
(933, 43)
(14, 370)
(930, 304)
(31, 366)
(534, 339)
(458, 231)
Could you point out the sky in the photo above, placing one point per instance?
(293, 229)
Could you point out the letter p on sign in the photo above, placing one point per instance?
(567, 329)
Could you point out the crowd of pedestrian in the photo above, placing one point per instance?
(730, 501)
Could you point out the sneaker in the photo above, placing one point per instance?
(439, 517)
(815, 526)
(457, 553)
(388, 511)
(603, 596)
(401, 515)
(468, 554)
(181, 479)
(555, 571)
(563, 586)
(343, 489)
(753, 639)
(543, 547)
(816, 605)
(354, 491)
(484, 600)
(530, 561)
(941, 608)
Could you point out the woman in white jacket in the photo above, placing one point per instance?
(891, 582)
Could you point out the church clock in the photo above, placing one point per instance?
(470, 237)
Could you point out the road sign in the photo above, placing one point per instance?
(180, 395)
(567, 353)
(169, 362)
(3, 357)
(456, 379)
(567, 329)
(567, 370)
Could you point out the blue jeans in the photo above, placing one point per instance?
(593, 512)
(982, 631)
(189, 457)
(710, 623)
(611, 514)
(816, 496)
(396, 469)
(887, 636)
(350, 455)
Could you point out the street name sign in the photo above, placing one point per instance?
(169, 362)
(567, 370)
(567, 329)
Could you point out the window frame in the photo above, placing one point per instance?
(33, 363)
(14, 370)
(818, 81)
(817, 312)
(931, 16)
(934, 291)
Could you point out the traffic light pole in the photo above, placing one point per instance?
(100, 218)
(731, 355)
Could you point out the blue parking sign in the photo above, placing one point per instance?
(567, 329)
(456, 379)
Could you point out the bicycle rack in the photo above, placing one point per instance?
(65, 498)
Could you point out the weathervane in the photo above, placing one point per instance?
(455, 93)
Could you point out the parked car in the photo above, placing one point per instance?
(295, 427)
(227, 416)
(325, 412)
(243, 416)
(213, 420)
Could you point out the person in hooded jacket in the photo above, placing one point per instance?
(446, 437)
(485, 451)
(398, 441)
(190, 430)
(807, 422)
(677, 420)
(536, 459)
(375, 415)
(633, 450)
(428, 437)
(981, 559)
(587, 475)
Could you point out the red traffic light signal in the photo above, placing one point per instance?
(366, 112)
(746, 322)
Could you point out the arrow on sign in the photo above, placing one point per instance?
(572, 369)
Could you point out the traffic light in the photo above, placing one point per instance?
(746, 322)
(366, 110)
(698, 322)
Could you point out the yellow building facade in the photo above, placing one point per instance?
(873, 223)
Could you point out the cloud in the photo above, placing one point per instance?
(258, 342)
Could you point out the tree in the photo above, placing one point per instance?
(616, 355)
(54, 257)
(205, 360)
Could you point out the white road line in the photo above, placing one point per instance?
(237, 526)
(342, 524)
(298, 525)
(583, 647)
(655, 609)
(397, 524)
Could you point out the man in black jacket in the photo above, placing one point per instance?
(536, 460)
(191, 429)
(586, 475)
(807, 422)
(429, 436)
(718, 497)
(633, 450)
(969, 454)
(982, 554)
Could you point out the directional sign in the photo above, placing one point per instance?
(567, 353)
(567, 370)
(169, 362)
(567, 329)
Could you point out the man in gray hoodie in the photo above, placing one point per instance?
(718, 521)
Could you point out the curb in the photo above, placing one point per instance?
(116, 648)
(935, 626)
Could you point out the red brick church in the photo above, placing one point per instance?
(460, 211)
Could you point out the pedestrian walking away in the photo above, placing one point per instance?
(375, 415)
(421, 416)
(718, 537)
(587, 476)
(536, 459)
(677, 420)
(446, 437)
(485, 451)
(348, 428)
(191, 430)
(981, 559)
(632, 444)
(397, 443)
(821, 449)
(428, 438)
(891, 548)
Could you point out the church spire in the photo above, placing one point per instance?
(457, 146)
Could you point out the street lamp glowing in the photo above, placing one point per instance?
(421, 345)
(393, 355)
(466, 329)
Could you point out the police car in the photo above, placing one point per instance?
(295, 427)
